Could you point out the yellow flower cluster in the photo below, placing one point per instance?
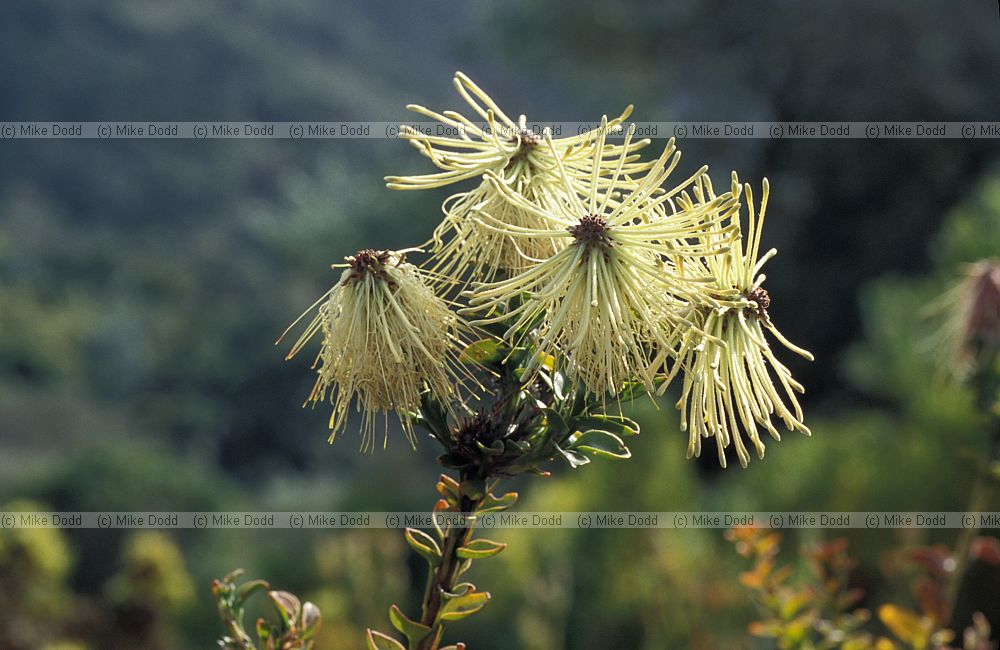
(511, 152)
(586, 252)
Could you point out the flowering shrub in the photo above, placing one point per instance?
(819, 610)
(575, 277)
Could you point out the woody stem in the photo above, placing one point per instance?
(978, 499)
(443, 577)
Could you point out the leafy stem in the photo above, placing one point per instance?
(443, 578)
(515, 429)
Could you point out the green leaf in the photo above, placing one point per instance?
(557, 423)
(232, 575)
(311, 620)
(495, 449)
(556, 381)
(460, 589)
(474, 489)
(632, 390)
(532, 362)
(483, 352)
(575, 459)
(600, 443)
(455, 609)
(434, 417)
(616, 424)
(379, 641)
(250, 588)
(424, 545)
(288, 605)
(636, 389)
(516, 446)
(478, 549)
(413, 631)
(447, 487)
(494, 503)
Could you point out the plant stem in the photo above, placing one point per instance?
(977, 502)
(979, 498)
(443, 577)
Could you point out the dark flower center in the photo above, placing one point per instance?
(591, 232)
(369, 261)
(526, 141)
(763, 300)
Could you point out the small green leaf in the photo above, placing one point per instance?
(474, 489)
(458, 608)
(434, 417)
(288, 605)
(424, 545)
(483, 352)
(448, 488)
(379, 641)
(478, 549)
(517, 446)
(495, 449)
(600, 443)
(557, 423)
(460, 589)
(449, 481)
(311, 620)
(575, 459)
(636, 389)
(556, 381)
(494, 503)
(250, 588)
(631, 391)
(616, 424)
(232, 575)
(413, 631)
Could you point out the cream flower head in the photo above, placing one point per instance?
(610, 300)
(970, 312)
(727, 384)
(386, 337)
(512, 152)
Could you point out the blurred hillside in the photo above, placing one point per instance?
(143, 283)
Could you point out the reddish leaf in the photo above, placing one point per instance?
(986, 549)
(931, 600)
(936, 559)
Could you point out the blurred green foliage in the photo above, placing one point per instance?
(140, 605)
(142, 284)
